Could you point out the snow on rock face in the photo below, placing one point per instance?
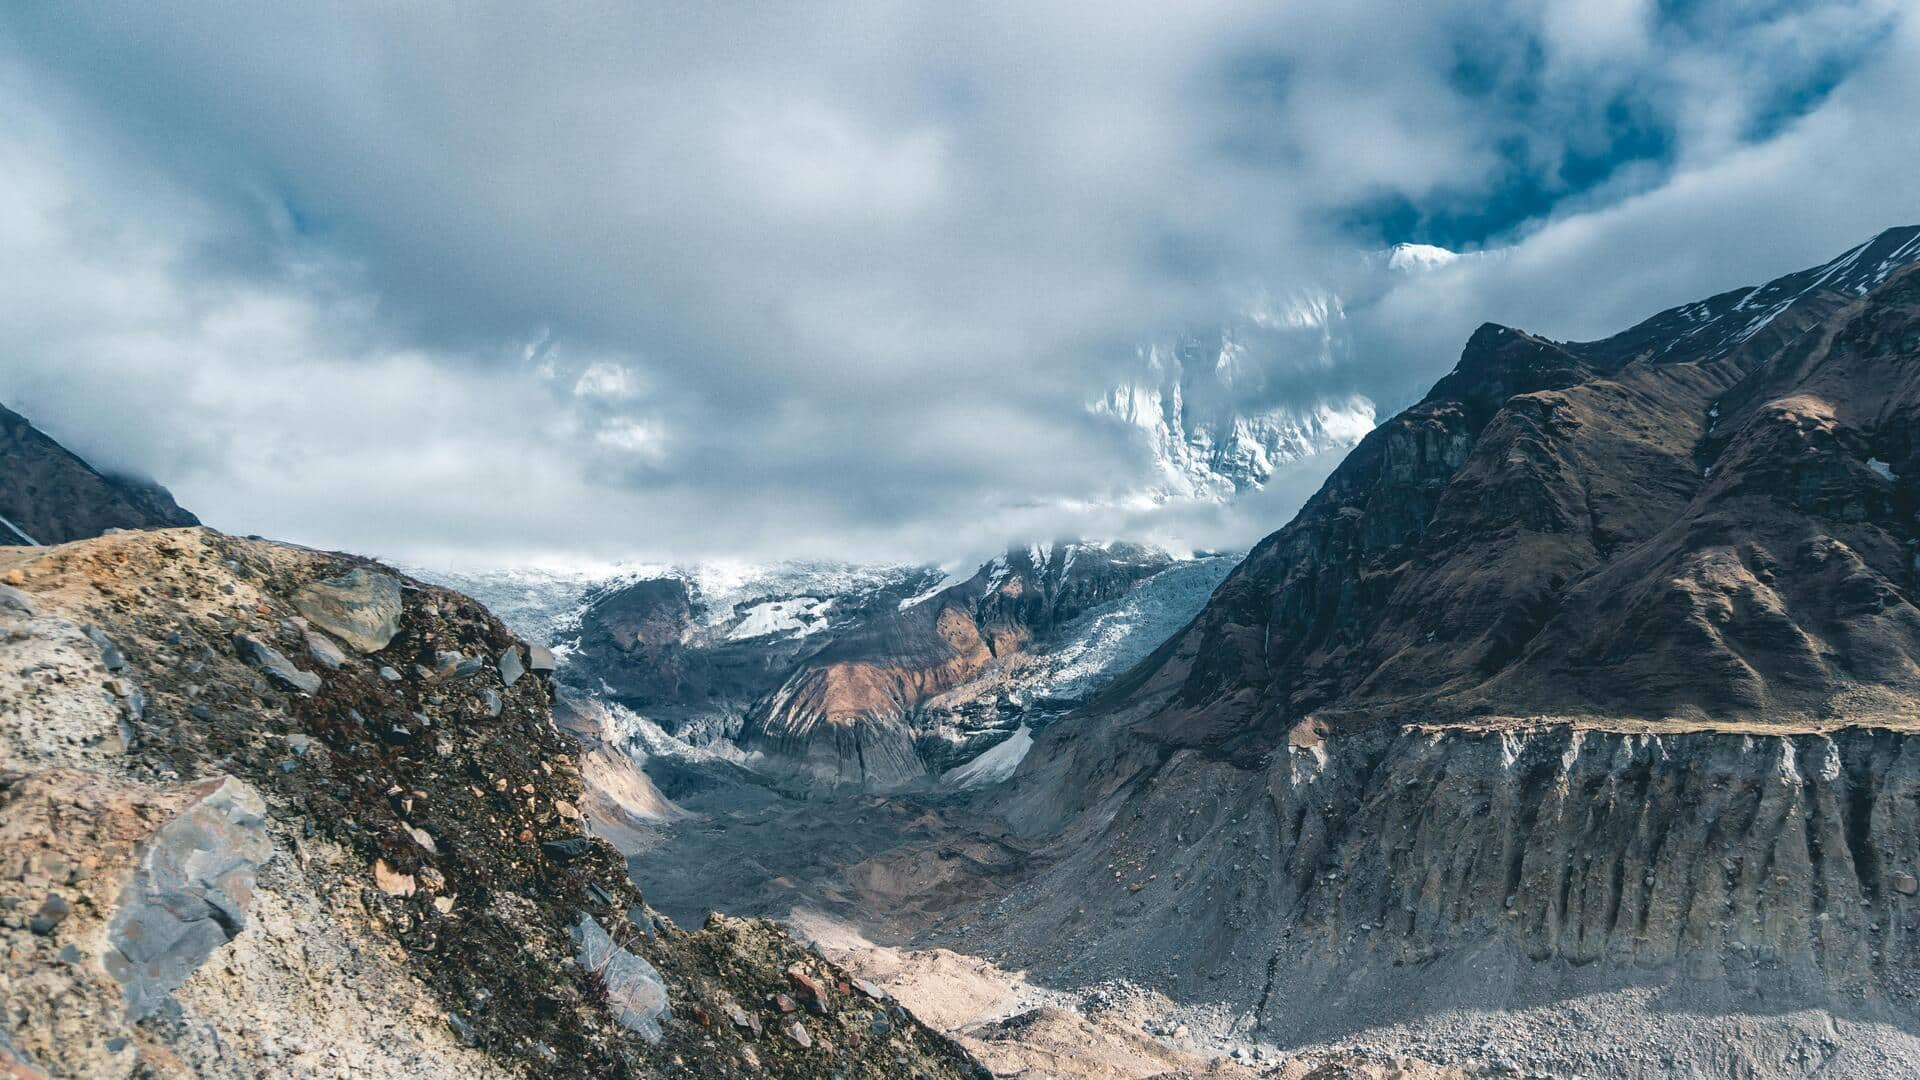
(995, 764)
(1202, 447)
(1419, 257)
(799, 617)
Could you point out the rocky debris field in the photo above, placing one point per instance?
(266, 810)
(1111, 1029)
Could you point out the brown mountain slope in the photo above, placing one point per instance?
(1583, 691)
(50, 496)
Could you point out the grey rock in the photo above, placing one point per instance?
(298, 744)
(798, 1033)
(110, 654)
(742, 1018)
(14, 601)
(469, 665)
(53, 911)
(634, 990)
(494, 702)
(445, 662)
(539, 658)
(510, 667)
(361, 608)
(274, 664)
(389, 674)
(188, 895)
(324, 651)
(200, 712)
(1905, 883)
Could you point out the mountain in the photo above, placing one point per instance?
(694, 650)
(1218, 413)
(1591, 673)
(848, 715)
(48, 495)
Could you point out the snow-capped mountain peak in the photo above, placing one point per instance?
(1419, 257)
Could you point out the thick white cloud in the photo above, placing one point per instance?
(809, 279)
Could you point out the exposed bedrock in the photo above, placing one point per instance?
(1371, 878)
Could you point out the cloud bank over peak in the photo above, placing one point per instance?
(548, 282)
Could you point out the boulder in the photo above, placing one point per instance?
(188, 895)
(15, 602)
(274, 664)
(324, 651)
(635, 992)
(510, 667)
(540, 659)
(566, 849)
(361, 608)
(110, 654)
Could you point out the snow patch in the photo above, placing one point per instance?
(799, 617)
(995, 765)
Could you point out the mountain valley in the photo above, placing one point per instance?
(1564, 731)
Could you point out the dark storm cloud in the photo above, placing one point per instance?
(678, 280)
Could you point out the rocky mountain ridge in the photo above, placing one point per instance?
(1588, 678)
(848, 716)
(48, 495)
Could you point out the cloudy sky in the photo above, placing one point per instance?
(684, 280)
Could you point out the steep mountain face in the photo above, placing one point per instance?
(1595, 666)
(1627, 528)
(849, 716)
(49, 496)
(1205, 444)
(1217, 414)
(268, 811)
(696, 662)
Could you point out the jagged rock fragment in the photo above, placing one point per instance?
(510, 667)
(110, 654)
(15, 602)
(324, 651)
(635, 992)
(53, 911)
(360, 607)
(189, 894)
(274, 664)
(391, 881)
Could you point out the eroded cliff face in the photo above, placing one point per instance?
(1353, 882)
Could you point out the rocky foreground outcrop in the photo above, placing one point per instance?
(48, 495)
(271, 811)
